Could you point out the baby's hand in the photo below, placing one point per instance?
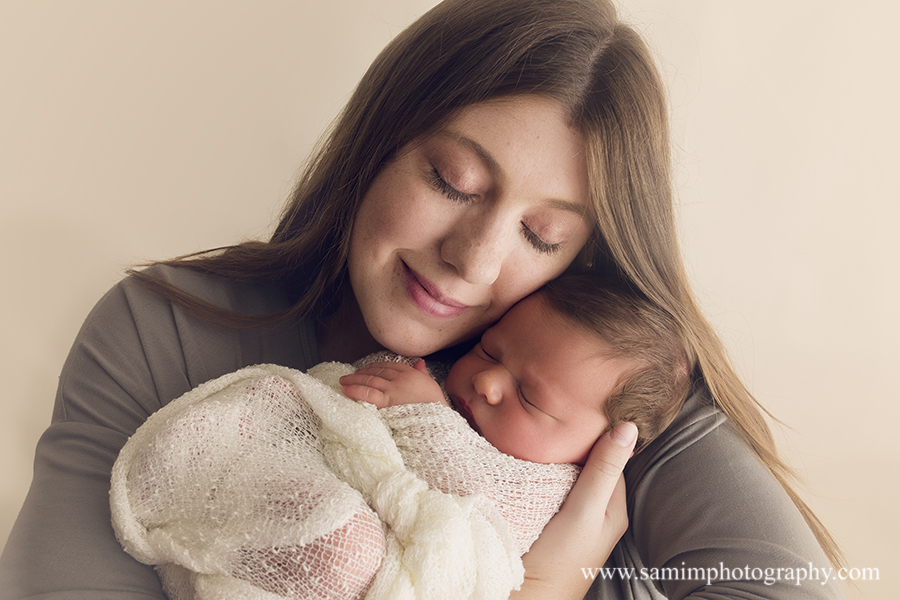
(391, 384)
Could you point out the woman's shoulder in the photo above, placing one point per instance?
(699, 496)
(700, 440)
(138, 342)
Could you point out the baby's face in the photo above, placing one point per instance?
(535, 385)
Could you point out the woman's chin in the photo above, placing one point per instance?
(411, 348)
(416, 342)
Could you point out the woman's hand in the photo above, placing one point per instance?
(587, 527)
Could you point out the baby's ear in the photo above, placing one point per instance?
(420, 366)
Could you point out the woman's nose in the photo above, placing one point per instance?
(477, 247)
(487, 384)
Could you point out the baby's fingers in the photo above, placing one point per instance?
(385, 370)
(365, 388)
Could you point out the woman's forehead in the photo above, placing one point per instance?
(524, 139)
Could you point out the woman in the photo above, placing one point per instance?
(489, 148)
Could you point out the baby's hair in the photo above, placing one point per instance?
(652, 393)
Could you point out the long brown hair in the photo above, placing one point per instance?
(467, 51)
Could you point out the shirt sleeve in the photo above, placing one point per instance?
(707, 520)
(134, 353)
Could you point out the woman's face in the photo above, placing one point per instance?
(466, 222)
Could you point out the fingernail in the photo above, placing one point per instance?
(624, 434)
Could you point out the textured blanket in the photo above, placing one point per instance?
(268, 483)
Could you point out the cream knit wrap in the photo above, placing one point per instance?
(267, 483)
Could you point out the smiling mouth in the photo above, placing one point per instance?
(425, 295)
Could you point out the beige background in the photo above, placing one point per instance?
(140, 130)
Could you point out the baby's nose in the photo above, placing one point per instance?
(487, 385)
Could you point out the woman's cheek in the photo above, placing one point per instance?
(518, 279)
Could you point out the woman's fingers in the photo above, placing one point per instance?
(601, 472)
(587, 527)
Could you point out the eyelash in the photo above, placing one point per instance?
(455, 195)
(537, 243)
(448, 190)
(519, 393)
(485, 352)
(524, 399)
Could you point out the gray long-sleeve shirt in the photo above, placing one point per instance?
(699, 502)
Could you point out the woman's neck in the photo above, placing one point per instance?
(343, 336)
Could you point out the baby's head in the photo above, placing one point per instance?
(576, 358)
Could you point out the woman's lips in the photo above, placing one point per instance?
(428, 298)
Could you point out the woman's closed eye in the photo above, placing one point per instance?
(441, 185)
(537, 243)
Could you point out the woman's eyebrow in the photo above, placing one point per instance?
(475, 147)
(494, 166)
(578, 209)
